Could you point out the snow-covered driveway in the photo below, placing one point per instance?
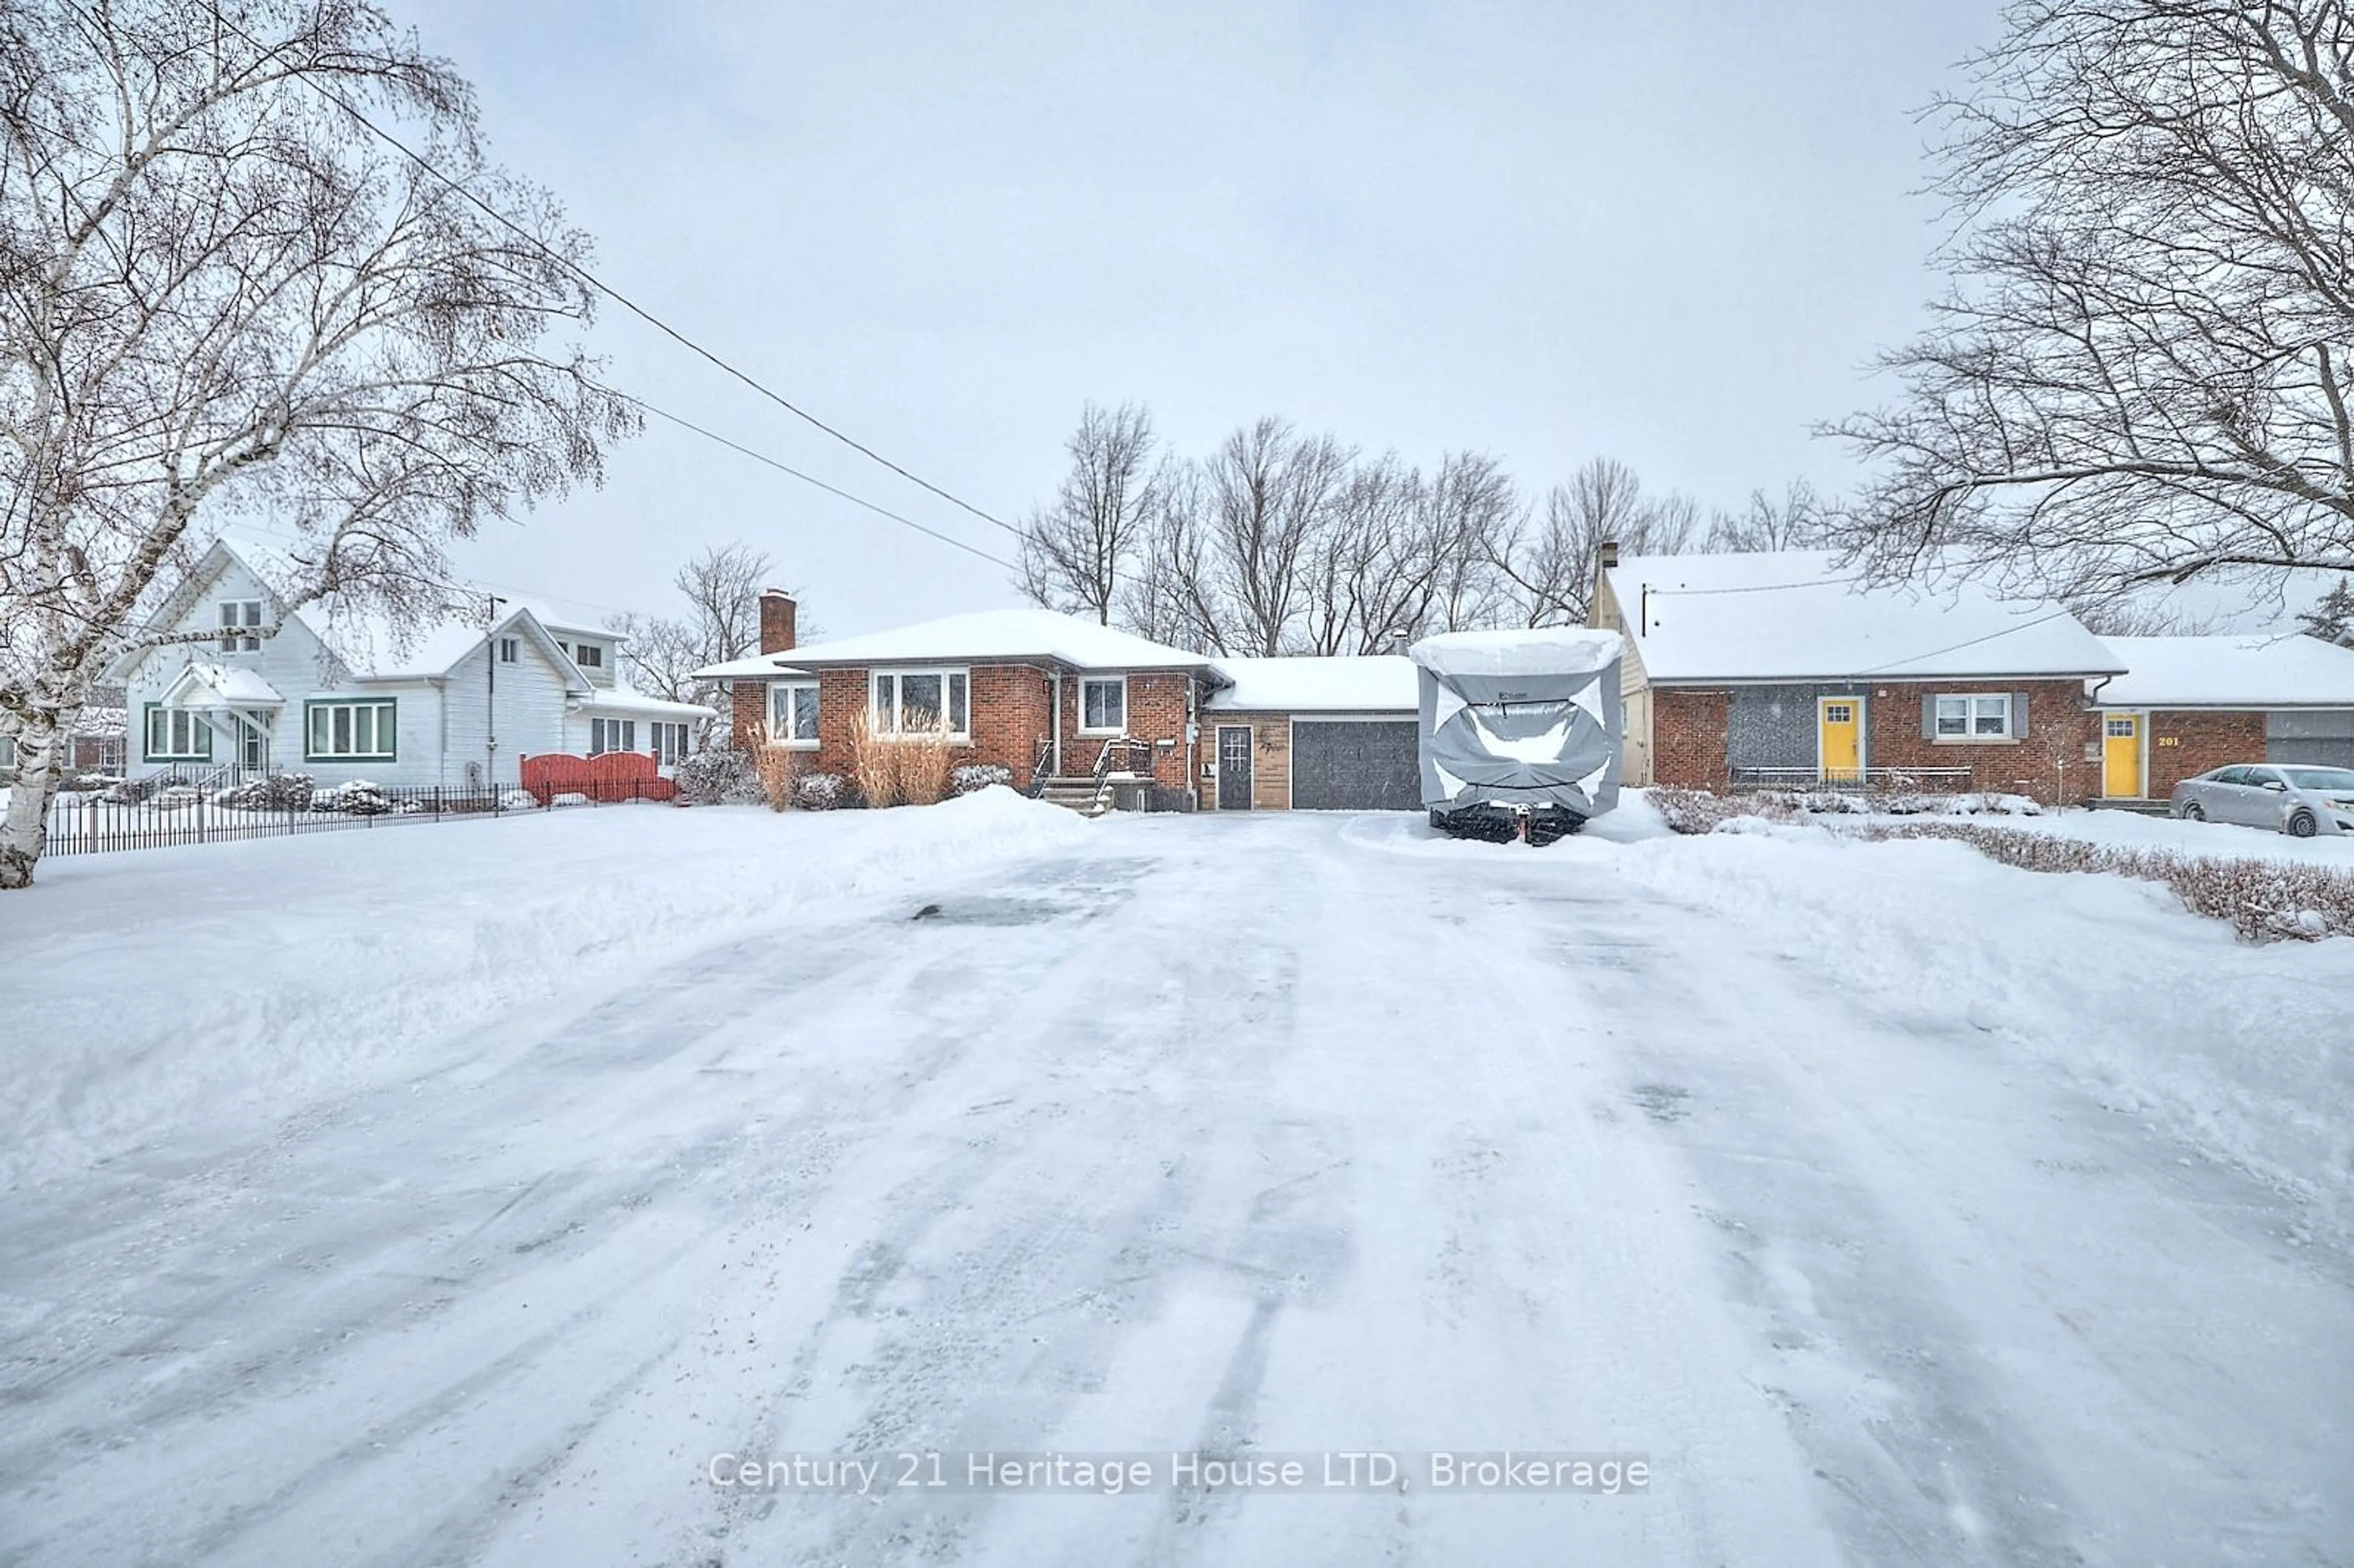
(1300, 1135)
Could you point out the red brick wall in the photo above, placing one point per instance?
(1156, 712)
(750, 699)
(2049, 762)
(1689, 737)
(1689, 726)
(2185, 745)
(1012, 711)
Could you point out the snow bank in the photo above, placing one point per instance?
(2239, 1049)
(227, 985)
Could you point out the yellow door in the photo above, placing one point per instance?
(2121, 756)
(1839, 722)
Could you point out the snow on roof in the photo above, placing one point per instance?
(1373, 683)
(1795, 615)
(1548, 650)
(1041, 634)
(2230, 672)
(621, 699)
(752, 666)
(224, 686)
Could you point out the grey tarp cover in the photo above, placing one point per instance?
(1520, 718)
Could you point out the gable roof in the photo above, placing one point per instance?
(2230, 672)
(1795, 615)
(1372, 682)
(1042, 636)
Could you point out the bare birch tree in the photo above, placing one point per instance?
(2144, 369)
(220, 296)
(1077, 551)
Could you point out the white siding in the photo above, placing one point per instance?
(530, 713)
(292, 661)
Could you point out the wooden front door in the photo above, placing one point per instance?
(1234, 768)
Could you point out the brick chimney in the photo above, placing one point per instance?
(776, 613)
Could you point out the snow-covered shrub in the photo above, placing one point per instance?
(357, 798)
(2262, 899)
(518, 800)
(820, 792)
(135, 791)
(175, 797)
(573, 798)
(87, 783)
(1698, 811)
(270, 793)
(975, 776)
(720, 776)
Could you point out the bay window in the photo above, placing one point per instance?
(921, 702)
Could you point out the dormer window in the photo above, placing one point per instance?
(241, 624)
(588, 656)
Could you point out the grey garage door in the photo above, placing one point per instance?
(1354, 765)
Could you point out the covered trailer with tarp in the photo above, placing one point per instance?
(1520, 734)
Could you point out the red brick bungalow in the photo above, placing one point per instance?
(1036, 692)
(1779, 668)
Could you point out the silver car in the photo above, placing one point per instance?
(2288, 796)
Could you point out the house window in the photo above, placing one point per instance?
(792, 713)
(612, 734)
(670, 741)
(1839, 713)
(922, 702)
(588, 656)
(240, 623)
(508, 651)
(1983, 716)
(176, 735)
(1103, 705)
(362, 731)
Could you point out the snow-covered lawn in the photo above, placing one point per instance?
(209, 990)
(458, 1195)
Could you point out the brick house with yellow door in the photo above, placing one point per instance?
(2186, 706)
(1779, 668)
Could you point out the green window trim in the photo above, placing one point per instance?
(323, 731)
(147, 749)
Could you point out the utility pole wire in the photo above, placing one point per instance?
(619, 298)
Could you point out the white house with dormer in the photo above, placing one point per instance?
(340, 692)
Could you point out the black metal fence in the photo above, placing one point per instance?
(161, 814)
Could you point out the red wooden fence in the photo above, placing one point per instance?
(615, 775)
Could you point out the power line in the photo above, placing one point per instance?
(760, 457)
(1972, 642)
(619, 298)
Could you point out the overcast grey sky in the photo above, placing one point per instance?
(1673, 233)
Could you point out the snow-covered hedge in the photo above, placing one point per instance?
(821, 793)
(975, 776)
(1702, 812)
(720, 776)
(2264, 900)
